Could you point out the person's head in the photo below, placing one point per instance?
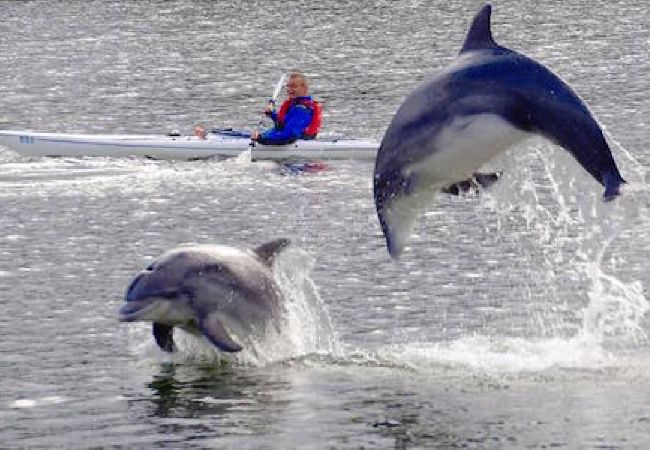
(297, 85)
(199, 131)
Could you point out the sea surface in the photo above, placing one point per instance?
(516, 318)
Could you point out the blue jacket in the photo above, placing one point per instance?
(296, 121)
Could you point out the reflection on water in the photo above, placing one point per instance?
(210, 400)
(210, 389)
(221, 400)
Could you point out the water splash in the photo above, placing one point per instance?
(615, 308)
(307, 327)
(585, 307)
(245, 157)
(494, 355)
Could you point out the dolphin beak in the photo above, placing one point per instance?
(135, 310)
(146, 299)
(139, 300)
(132, 293)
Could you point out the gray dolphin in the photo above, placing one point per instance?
(487, 100)
(208, 290)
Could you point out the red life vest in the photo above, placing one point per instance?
(316, 114)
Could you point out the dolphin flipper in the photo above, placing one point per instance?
(478, 179)
(267, 252)
(164, 335)
(212, 327)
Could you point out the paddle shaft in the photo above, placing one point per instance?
(278, 88)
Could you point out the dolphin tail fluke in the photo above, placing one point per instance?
(612, 182)
(213, 329)
(164, 335)
(267, 252)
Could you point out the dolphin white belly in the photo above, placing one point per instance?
(463, 147)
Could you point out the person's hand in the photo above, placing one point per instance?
(269, 108)
(255, 135)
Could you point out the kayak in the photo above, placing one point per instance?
(218, 143)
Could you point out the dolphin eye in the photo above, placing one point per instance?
(206, 270)
(212, 268)
(150, 267)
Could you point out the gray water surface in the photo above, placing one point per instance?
(515, 319)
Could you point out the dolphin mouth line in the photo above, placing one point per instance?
(135, 310)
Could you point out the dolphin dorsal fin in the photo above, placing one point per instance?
(267, 252)
(480, 35)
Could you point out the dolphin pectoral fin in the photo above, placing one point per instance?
(213, 329)
(164, 335)
(459, 187)
(478, 179)
(485, 180)
(267, 252)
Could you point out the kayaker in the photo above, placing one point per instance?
(299, 116)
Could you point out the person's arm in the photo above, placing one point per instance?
(298, 119)
(270, 111)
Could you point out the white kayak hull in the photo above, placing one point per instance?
(29, 143)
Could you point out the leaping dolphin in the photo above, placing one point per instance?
(207, 290)
(488, 99)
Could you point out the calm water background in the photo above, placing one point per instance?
(515, 319)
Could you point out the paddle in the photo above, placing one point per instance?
(276, 92)
(278, 88)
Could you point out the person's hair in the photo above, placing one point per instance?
(300, 76)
